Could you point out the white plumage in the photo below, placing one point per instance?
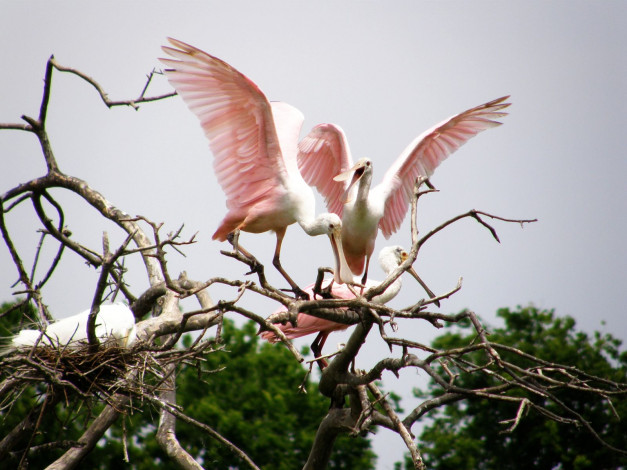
(114, 321)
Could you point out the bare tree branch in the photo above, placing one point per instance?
(400, 427)
(104, 96)
(123, 379)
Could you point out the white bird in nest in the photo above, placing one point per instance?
(114, 322)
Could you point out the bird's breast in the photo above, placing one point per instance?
(360, 220)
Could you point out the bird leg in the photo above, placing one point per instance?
(255, 266)
(365, 276)
(316, 348)
(276, 261)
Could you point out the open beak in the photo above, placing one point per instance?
(342, 273)
(356, 172)
(420, 281)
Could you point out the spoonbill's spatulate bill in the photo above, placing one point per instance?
(325, 161)
(114, 321)
(390, 258)
(254, 144)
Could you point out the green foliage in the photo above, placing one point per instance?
(254, 403)
(13, 319)
(248, 392)
(467, 434)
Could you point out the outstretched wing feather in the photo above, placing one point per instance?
(322, 155)
(425, 153)
(237, 120)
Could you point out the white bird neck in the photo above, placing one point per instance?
(363, 187)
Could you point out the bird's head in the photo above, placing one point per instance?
(361, 169)
(391, 257)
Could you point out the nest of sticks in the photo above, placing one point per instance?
(84, 372)
(80, 370)
(87, 375)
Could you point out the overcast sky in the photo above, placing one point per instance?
(383, 71)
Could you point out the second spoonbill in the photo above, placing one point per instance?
(325, 161)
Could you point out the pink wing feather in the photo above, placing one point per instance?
(322, 155)
(308, 324)
(425, 153)
(238, 121)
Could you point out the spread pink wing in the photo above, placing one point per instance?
(425, 153)
(238, 121)
(322, 155)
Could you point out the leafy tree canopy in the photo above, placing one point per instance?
(467, 434)
(255, 404)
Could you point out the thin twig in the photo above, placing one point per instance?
(103, 95)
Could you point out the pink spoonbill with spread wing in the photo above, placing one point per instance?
(325, 161)
(255, 144)
(390, 258)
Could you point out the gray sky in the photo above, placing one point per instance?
(383, 71)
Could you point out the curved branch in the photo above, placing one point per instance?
(429, 405)
(72, 458)
(475, 215)
(335, 422)
(107, 265)
(32, 291)
(335, 373)
(166, 433)
(416, 458)
(43, 109)
(98, 202)
(90, 256)
(104, 96)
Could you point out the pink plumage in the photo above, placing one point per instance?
(325, 162)
(390, 258)
(308, 324)
(254, 143)
(239, 123)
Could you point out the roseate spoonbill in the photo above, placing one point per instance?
(325, 161)
(114, 321)
(254, 143)
(390, 258)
